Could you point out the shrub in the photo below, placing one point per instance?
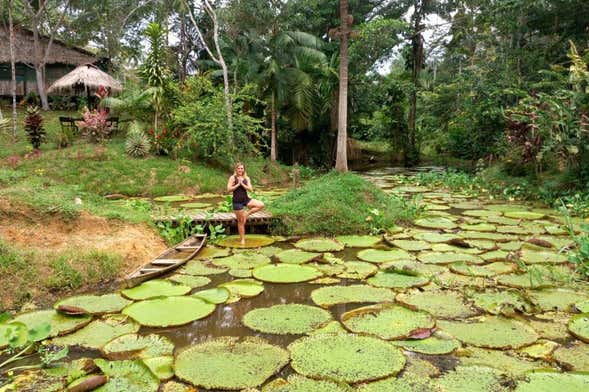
(34, 127)
(95, 126)
(137, 144)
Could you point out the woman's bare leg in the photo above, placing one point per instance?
(254, 206)
(241, 217)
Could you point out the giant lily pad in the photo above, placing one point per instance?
(298, 383)
(495, 302)
(345, 358)
(13, 333)
(411, 245)
(334, 295)
(487, 270)
(162, 367)
(99, 332)
(133, 346)
(471, 379)
(387, 321)
(524, 215)
(552, 325)
(490, 332)
(448, 257)
(435, 223)
(358, 241)
(527, 281)
(197, 205)
(251, 241)
(191, 281)
(228, 363)
(548, 381)
(60, 324)
(358, 270)
(430, 346)
(155, 288)
(169, 311)
(172, 198)
(128, 376)
(286, 273)
(478, 227)
(92, 304)
(502, 360)
(481, 213)
(556, 299)
(319, 245)
(173, 386)
(244, 287)
(296, 256)
(243, 260)
(201, 268)
(286, 319)
(573, 357)
(218, 295)
(483, 235)
(440, 303)
(210, 252)
(395, 280)
(535, 257)
(383, 256)
(434, 237)
(579, 326)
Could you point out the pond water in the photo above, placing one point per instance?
(488, 278)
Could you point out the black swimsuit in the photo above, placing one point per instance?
(240, 197)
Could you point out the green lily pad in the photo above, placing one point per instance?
(128, 376)
(92, 304)
(535, 257)
(528, 215)
(358, 270)
(319, 245)
(173, 386)
(191, 281)
(496, 255)
(201, 268)
(155, 288)
(526, 281)
(430, 346)
(387, 321)
(172, 198)
(556, 299)
(495, 302)
(479, 227)
(482, 244)
(133, 346)
(218, 295)
(552, 325)
(412, 267)
(60, 324)
(332, 327)
(197, 205)
(169, 311)
(549, 381)
(243, 260)
(435, 223)
(471, 379)
(573, 357)
(286, 319)
(383, 256)
(448, 258)
(433, 237)
(502, 360)
(449, 280)
(230, 363)
(334, 295)
(99, 332)
(358, 241)
(582, 306)
(397, 281)
(487, 270)
(542, 349)
(286, 273)
(579, 326)
(501, 220)
(245, 288)
(251, 241)
(481, 213)
(210, 252)
(296, 256)
(18, 330)
(483, 235)
(411, 245)
(440, 303)
(298, 383)
(510, 246)
(345, 358)
(240, 273)
(162, 367)
(490, 332)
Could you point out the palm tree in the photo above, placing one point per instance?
(341, 160)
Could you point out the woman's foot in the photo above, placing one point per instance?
(242, 242)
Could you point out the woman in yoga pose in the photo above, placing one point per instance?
(239, 183)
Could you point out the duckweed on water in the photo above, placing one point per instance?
(230, 363)
(287, 319)
(345, 358)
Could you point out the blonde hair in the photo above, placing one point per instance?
(235, 169)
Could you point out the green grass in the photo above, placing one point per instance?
(73, 269)
(338, 204)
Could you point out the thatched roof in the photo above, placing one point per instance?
(60, 52)
(85, 76)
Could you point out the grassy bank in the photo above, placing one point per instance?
(340, 204)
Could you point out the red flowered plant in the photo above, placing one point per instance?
(164, 141)
(95, 126)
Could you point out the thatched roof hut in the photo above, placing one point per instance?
(61, 59)
(85, 78)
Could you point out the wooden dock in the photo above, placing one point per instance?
(225, 218)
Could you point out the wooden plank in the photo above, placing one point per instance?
(164, 262)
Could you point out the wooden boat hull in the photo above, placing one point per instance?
(168, 260)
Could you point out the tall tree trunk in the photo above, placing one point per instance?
(273, 134)
(12, 67)
(39, 67)
(341, 159)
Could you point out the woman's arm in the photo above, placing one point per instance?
(230, 186)
(248, 186)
